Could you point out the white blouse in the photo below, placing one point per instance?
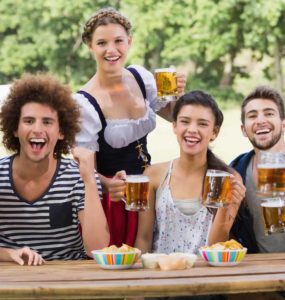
(174, 230)
(119, 132)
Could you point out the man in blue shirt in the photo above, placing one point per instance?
(262, 116)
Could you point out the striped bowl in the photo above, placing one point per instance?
(222, 258)
(116, 260)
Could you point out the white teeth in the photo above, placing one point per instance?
(37, 140)
(262, 131)
(191, 140)
(112, 58)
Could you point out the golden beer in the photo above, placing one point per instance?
(273, 211)
(166, 83)
(137, 191)
(271, 180)
(216, 189)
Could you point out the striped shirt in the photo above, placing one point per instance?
(49, 224)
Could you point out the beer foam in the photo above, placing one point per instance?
(274, 204)
(163, 70)
(137, 178)
(271, 166)
(220, 174)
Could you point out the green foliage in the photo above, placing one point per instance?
(226, 97)
(45, 36)
(211, 34)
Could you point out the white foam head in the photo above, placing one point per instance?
(217, 173)
(275, 203)
(137, 178)
(271, 166)
(165, 70)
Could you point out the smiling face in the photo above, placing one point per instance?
(195, 128)
(262, 124)
(110, 44)
(38, 131)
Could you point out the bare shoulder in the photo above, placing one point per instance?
(156, 171)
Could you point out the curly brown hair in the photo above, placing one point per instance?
(104, 16)
(44, 89)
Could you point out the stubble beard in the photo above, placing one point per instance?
(267, 145)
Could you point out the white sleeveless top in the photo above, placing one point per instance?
(175, 231)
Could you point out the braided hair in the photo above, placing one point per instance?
(104, 16)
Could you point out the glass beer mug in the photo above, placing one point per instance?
(216, 188)
(166, 83)
(271, 188)
(271, 174)
(137, 193)
(273, 212)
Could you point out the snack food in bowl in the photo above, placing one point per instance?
(172, 261)
(227, 253)
(150, 260)
(190, 258)
(116, 257)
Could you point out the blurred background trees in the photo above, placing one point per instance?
(225, 46)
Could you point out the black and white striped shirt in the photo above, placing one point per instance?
(49, 224)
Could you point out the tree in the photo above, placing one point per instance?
(265, 23)
(46, 36)
(156, 24)
(206, 35)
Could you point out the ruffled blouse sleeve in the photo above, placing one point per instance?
(90, 124)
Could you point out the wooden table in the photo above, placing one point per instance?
(85, 280)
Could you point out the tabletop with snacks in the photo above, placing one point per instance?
(87, 279)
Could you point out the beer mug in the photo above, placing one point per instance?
(137, 192)
(273, 211)
(166, 83)
(216, 189)
(271, 174)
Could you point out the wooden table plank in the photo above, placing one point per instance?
(90, 271)
(145, 288)
(85, 280)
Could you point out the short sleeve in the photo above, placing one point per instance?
(90, 124)
(78, 191)
(99, 185)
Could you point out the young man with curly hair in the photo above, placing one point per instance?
(44, 196)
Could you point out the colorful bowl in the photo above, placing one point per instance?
(116, 260)
(222, 258)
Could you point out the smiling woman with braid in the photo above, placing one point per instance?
(118, 110)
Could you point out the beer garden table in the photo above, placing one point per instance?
(85, 280)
